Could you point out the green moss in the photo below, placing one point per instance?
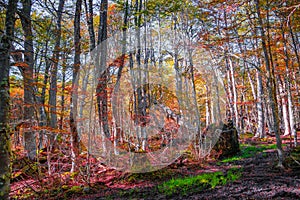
(248, 151)
(75, 189)
(64, 187)
(198, 183)
(4, 184)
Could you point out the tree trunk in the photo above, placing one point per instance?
(207, 106)
(5, 171)
(288, 87)
(101, 90)
(295, 44)
(43, 116)
(235, 108)
(63, 87)
(284, 106)
(53, 81)
(5, 44)
(271, 86)
(117, 111)
(228, 142)
(75, 81)
(260, 109)
(29, 135)
(141, 89)
(252, 85)
(231, 79)
(198, 117)
(145, 81)
(295, 48)
(90, 22)
(230, 93)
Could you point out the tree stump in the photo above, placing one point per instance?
(228, 142)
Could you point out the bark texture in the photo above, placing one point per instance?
(5, 44)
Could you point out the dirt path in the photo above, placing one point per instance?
(260, 180)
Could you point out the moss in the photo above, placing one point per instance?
(4, 187)
(65, 187)
(5, 165)
(187, 185)
(248, 151)
(74, 190)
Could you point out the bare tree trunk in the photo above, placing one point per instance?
(291, 115)
(74, 93)
(89, 11)
(252, 85)
(195, 96)
(216, 106)
(231, 79)
(118, 113)
(284, 106)
(271, 86)
(160, 56)
(288, 87)
(90, 22)
(260, 109)
(53, 81)
(139, 107)
(207, 106)
(5, 45)
(43, 115)
(230, 93)
(29, 135)
(295, 48)
(85, 79)
(63, 86)
(295, 44)
(101, 91)
(297, 110)
(145, 81)
(235, 108)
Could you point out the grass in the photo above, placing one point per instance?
(184, 186)
(248, 151)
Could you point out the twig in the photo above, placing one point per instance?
(295, 160)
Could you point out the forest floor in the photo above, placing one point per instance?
(260, 178)
(251, 174)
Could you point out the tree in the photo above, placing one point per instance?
(101, 90)
(90, 23)
(270, 84)
(74, 95)
(27, 72)
(56, 58)
(5, 47)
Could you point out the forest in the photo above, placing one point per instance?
(149, 99)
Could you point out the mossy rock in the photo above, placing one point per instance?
(228, 142)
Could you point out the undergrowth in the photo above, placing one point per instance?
(248, 151)
(188, 185)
